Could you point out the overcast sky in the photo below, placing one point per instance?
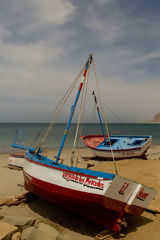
(45, 43)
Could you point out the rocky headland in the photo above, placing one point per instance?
(156, 118)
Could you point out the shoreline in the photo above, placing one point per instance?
(11, 150)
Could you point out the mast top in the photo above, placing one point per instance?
(90, 58)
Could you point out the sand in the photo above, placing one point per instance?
(146, 172)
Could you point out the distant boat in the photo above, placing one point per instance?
(16, 160)
(122, 146)
(106, 198)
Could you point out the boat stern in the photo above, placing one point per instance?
(140, 200)
(127, 196)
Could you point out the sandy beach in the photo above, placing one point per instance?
(146, 172)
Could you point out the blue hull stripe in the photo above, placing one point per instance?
(50, 163)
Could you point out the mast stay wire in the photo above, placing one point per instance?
(82, 106)
(105, 118)
(107, 107)
(118, 141)
(59, 107)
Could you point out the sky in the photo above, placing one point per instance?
(44, 45)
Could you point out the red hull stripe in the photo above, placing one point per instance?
(134, 210)
(64, 170)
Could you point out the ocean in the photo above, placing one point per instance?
(35, 132)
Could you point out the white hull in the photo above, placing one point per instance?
(124, 191)
(122, 153)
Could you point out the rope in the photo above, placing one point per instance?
(107, 107)
(110, 128)
(105, 118)
(80, 131)
(80, 114)
(60, 106)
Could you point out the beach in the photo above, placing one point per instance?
(146, 172)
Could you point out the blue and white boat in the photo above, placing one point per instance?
(117, 147)
(121, 146)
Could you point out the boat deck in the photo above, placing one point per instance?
(123, 142)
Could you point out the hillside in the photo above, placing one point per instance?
(156, 118)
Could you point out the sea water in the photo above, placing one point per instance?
(36, 131)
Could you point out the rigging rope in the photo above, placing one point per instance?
(105, 118)
(107, 107)
(60, 106)
(110, 128)
(80, 113)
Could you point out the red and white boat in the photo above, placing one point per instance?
(105, 198)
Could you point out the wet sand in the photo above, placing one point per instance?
(146, 172)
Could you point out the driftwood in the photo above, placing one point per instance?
(90, 165)
(24, 198)
(105, 234)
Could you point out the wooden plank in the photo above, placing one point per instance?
(104, 234)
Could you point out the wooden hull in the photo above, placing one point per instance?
(105, 201)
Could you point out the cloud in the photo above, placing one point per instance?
(44, 44)
(54, 12)
(38, 11)
(34, 53)
(25, 32)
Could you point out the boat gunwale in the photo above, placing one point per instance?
(78, 171)
(115, 150)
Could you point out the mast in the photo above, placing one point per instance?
(99, 116)
(89, 61)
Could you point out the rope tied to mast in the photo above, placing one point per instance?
(105, 118)
(82, 105)
(59, 108)
(74, 106)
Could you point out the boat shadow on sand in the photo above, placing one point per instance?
(102, 159)
(60, 217)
